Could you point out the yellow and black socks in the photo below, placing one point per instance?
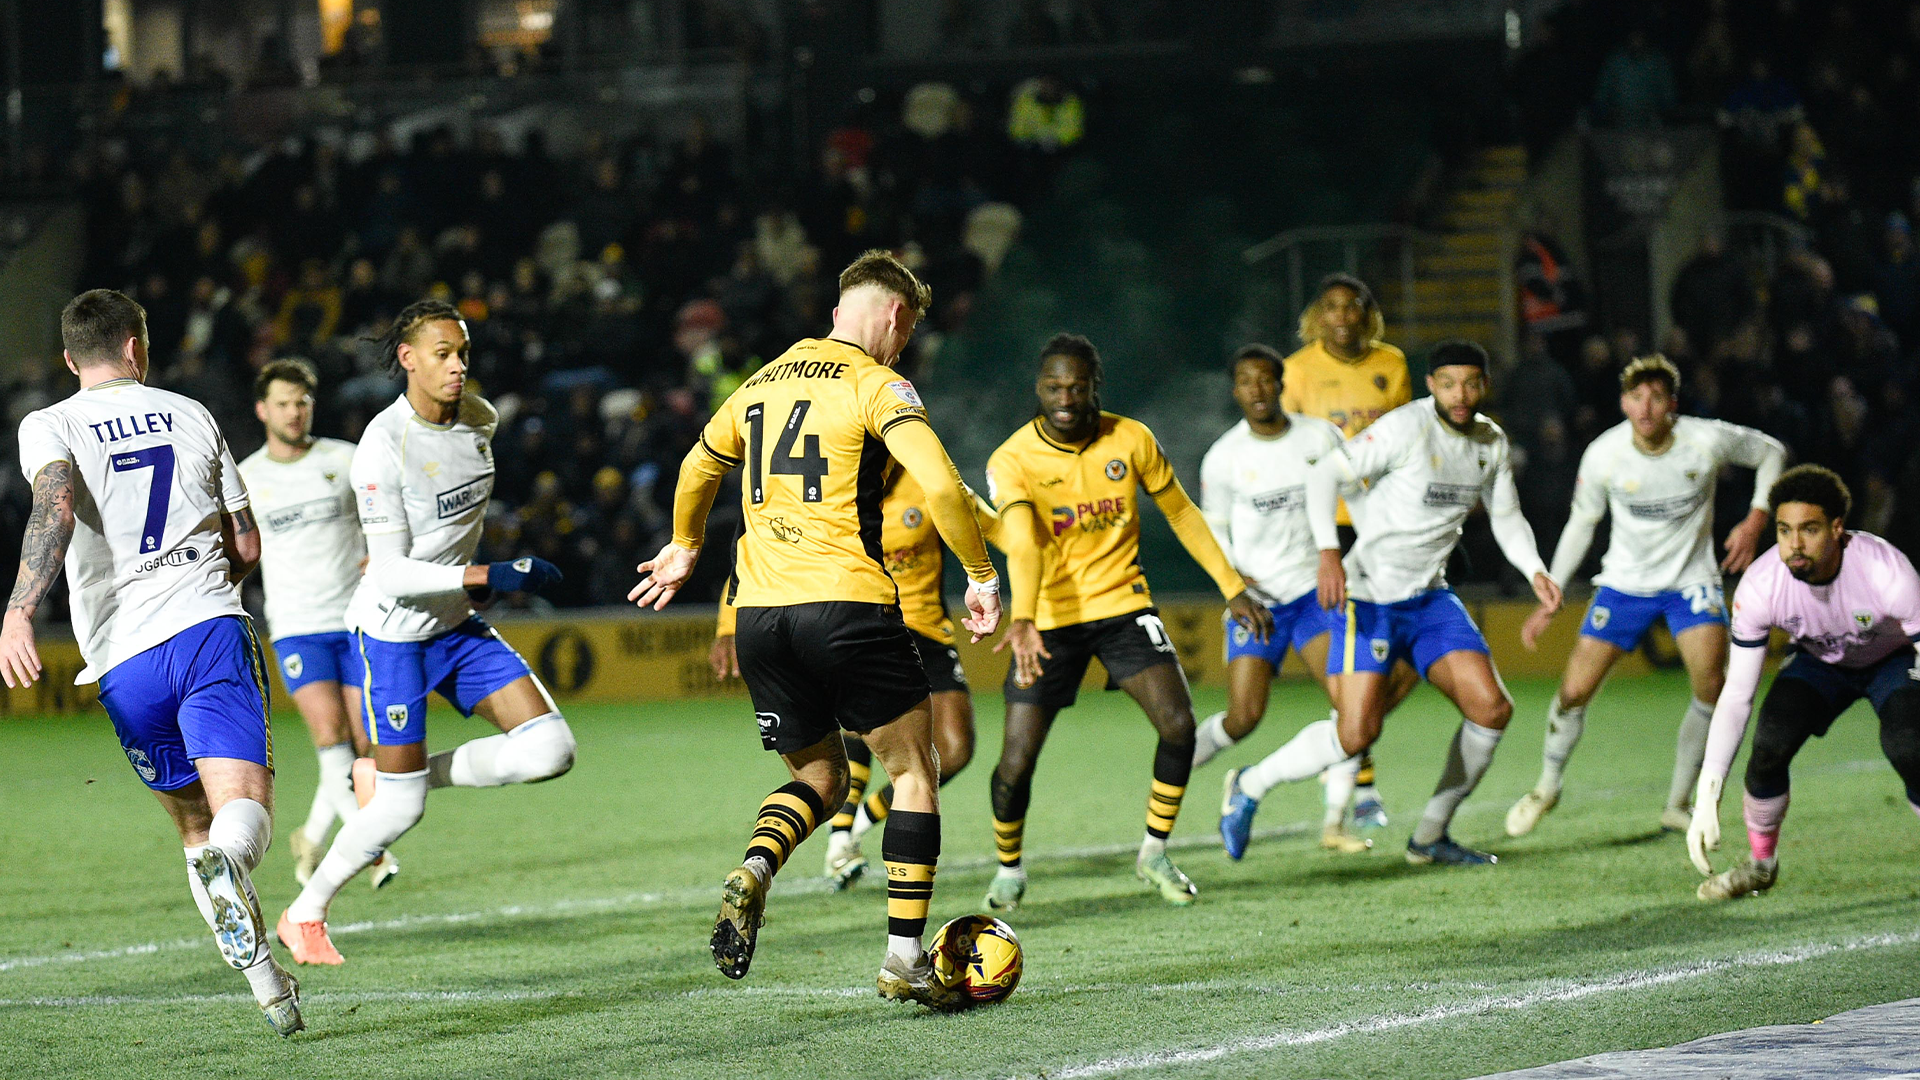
(786, 818)
(1010, 820)
(911, 849)
(1172, 764)
(859, 770)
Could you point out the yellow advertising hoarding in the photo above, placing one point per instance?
(619, 656)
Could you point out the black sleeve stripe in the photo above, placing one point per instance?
(1168, 486)
(1028, 503)
(717, 455)
(1760, 643)
(898, 420)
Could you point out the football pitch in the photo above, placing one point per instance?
(560, 930)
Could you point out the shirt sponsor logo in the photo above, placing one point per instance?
(182, 557)
(1460, 495)
(1674, 509)
(306, 513)
(1282, 501)
(457, 501)
(1093, 515)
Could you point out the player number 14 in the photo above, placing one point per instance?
(810, 466)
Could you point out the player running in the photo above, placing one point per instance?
(1655, 473)
(1345, 373)
(1425, 466)
(311, 556)
(821, 641)
(1067, 487)
(1253, 493)
(136, 494)
(423, 474)
(1850, 603)
(914, 560)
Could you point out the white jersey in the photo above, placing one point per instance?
(1662, 504)
(151, 478)
(430, 484)
(311, 547)
(1423, 478)
(1253, 490)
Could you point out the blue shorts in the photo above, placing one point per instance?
(312, 658)
(1420, 629)
(463, 665)
(200, 693)
(1623, 619)
(1840, 687)
(1294, 623)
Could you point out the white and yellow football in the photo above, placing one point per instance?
(980, 954)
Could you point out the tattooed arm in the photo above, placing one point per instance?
(43, 552)
(242, 538)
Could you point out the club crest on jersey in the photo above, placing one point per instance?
(294, 665)
(1600, 617)
(1116, 469)
(331, 476)
(904, 390)
(1863, 618)
(142, 764)
(912, 518)
(397, 717)
(1379, 650)
(1693, 474)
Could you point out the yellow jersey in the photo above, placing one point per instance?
(1086, 513)
(807, 432)
(1348, 395)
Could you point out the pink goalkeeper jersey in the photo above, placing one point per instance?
(1866, 613)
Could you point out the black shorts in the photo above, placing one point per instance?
(813, 669)
(941, 663)
(1126, 645)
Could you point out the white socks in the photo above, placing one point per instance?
(863, 822)
(1210, 738)
(760, 868)
(1564, 726)
(1689, 751)
(1151, 846)
(1340, 783)
(906, 948)
(242, 829)
(540, 749)
(1467, 761)
(1316, 749)
(333, 798)
(399, 800)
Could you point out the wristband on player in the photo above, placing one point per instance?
(986, 588)
(525, 574)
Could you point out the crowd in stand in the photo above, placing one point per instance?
(612, 295)
(1816, 341)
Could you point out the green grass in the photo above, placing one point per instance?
(560, 930)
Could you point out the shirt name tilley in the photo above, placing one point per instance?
(126, 427)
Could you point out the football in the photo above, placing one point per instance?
(979, 954)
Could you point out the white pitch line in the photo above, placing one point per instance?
(350, 997)
(1553, 993)
(599, 905)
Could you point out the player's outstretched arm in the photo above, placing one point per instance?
(1018, 540)
(1323, 500)
(663, 575)
(723, 656)
(1728, 729)
(1190, 525)
(43, 552)
(1515, 536)
(1766, 456)
(950, 504)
